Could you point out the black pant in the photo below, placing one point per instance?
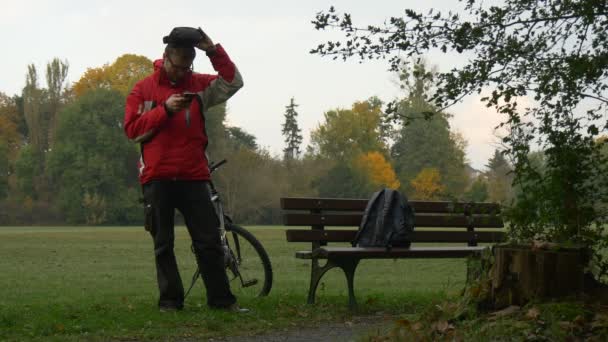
(192, 199)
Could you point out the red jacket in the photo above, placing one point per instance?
(173, 148)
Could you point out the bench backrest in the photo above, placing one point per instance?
(319, 213)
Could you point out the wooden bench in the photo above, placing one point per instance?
(444, 217)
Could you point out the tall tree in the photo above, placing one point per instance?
(344, 180)
(35, 117)
(56, 74)
(4, 169)
(90, 161)
(292, 132)
(346, 133)
(240, 138)
(121, 75)
(424, 139)
(500, 178)
(478, 191)
(9, 131)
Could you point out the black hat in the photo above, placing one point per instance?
(184, 37)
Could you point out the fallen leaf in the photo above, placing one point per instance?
(533, 313)
(579, 320)
(403, 322)
(599, 321)
(442, 326)
(505, 312)
(536, 245)
(371, 300)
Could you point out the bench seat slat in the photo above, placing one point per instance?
(300, 235)
(382, 253)
(339, 204)
(420, 220)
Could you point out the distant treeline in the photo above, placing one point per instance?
(64, 158)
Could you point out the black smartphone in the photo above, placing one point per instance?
(188, 95)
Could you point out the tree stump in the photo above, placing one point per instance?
(520, 274)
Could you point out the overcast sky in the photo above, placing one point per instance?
(268, 40)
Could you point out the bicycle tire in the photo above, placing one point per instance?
(248, 267)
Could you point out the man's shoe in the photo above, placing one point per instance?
(234, 308)
(170, 308)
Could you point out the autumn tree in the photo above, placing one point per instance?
(121, 75)
(378, 170)
(427, 185)
(423, 138)
(346, 133)
(292, 132)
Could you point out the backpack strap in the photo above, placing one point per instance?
(388, 196)
(368, 209)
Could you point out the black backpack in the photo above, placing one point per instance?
(387, 222)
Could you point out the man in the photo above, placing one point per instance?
(173, 168)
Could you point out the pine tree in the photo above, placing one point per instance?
(291, 132)
(499, 178)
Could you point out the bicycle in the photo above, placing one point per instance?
(244, 255)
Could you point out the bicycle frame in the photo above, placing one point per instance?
(232, 256)
(232, 261)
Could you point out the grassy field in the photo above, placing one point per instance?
(98, 283)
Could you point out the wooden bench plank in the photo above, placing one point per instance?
(382, 253)
(341, 204)
(420, 220)
(300, 235)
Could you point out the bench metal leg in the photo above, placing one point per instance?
(316, 273)
(347, 265)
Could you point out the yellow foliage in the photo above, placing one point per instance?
(427, 184)
(93, 78)
(378, 169)
(120, 75)
(349, 132)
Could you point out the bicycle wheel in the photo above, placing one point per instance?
(249, 269)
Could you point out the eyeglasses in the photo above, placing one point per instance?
(179, 67)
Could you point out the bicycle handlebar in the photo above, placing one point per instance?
(215, 166)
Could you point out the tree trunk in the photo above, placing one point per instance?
(520, 274)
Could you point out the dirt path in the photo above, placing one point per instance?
(353, 330)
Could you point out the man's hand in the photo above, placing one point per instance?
(206, 44)
(176, 103)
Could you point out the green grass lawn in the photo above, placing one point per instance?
(99, 283)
